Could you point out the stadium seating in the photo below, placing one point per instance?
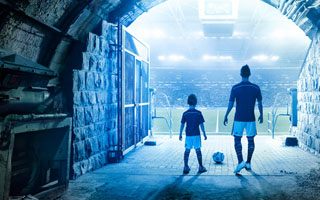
(213, 86)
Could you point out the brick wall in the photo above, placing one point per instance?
(95, 103)
(308, 129)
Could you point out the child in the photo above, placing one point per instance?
(194, 119)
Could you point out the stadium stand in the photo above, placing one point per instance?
(213, 86)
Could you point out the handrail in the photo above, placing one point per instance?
(168, 122)
(273, 116)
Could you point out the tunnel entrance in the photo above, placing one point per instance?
(188, 57)
(78, 79)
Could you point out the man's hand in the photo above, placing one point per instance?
(205, 137)
(225, 121)
(180, 137)
(260, 119)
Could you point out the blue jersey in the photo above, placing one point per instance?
(193, 118)
(245, 94)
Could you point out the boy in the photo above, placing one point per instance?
(194, 119)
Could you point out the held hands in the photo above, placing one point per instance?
(260, 119)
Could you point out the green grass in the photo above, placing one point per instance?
(210, 115)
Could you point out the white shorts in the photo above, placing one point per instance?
(193, 142)
(238, 127)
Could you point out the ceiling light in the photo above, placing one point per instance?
(176, 58)
(207, 57)
(161, 58)
(260, 57)
(274, 58)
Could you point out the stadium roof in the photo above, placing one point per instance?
(262, 36)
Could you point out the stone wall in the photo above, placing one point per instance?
(308, 129)
(95, 102)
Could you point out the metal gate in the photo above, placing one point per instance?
(135, 70)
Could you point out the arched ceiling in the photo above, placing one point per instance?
(43, 30)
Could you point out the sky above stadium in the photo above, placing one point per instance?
(214, 34)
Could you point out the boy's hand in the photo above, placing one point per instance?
(205, 137)
(180, 137)
(225, 121)
(260, 119)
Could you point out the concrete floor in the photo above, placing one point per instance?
(155, 172)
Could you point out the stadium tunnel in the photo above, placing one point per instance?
(62, 87)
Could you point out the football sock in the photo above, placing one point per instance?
(199, 156)
(250, 148)
(238, 148)
(186, 157)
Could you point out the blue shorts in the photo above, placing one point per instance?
(238, 128)
(193, 142)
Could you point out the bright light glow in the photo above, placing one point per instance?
(290, 32)
(207, 57)
(225, 57)
(279, 34)
(274, 58)
(151, 34)
(263, 58)
(176, 58)
(172, 57)
(161, 58)
(158, 34)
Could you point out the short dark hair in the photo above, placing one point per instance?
(192, 100)
(245, 71)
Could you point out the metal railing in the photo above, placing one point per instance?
(274, 115)
(155, 103)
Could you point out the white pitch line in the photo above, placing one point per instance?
(217, 123)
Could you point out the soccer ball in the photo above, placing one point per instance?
(218, 157)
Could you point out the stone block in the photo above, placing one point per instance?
(105, 27)
(99, 98)
(78, 134)
(317, 145)
(84, 165)
(103, 142)
(101, 114)
(93, 45)
(77, 100)
(85, 61)
(95, 113)
(98, 82)
(104, 46)
(93, 62)
(99, 128)
(79, 80)
(95, 145)
(112, 62)
(79, 151)
(85, 98)
(112, 138)
(90, 82)
(78, 117)
(92, 97)
(89, 131)
(101, 64)
(112, 34)
(107, 126)
(88, 111)
(76, 170)
(88, 147)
